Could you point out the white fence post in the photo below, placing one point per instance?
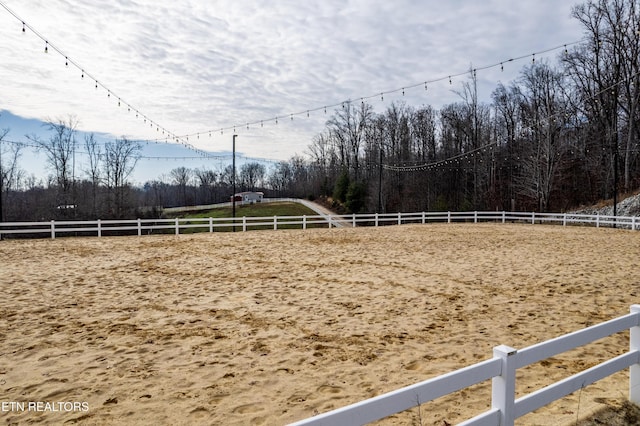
(504, 216)
(598, 220)
(99, 228)
(376, 220)
(424, 218)
(244, 224)
(304, 221)
(177, 226)
(634, 370)
(475, 217)
(503, 387)
(210, 225)
(139, 227)
(275, 222)
(353, 220)
(399, 218)
(564, 220)
(633, 223)
(329, 219)
(533, 218)
(448, 217)
(53, 230)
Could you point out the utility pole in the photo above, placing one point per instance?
(380, 183)
(1, 186)
(615, 180)
(233, 196)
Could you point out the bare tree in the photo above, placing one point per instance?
(545, 110)
(181, 176)
(93, 170)
(120, 159)
(251, 174)
(9, 171)
(281, 178)
(60, 152)
(605, 70)
(347, 129)
(207, 180)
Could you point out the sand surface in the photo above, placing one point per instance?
(269, 327)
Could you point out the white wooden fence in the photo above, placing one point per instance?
(145, 226)
(502, 370)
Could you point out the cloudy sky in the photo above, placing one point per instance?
(193, 66)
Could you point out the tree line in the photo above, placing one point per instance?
(558, 136)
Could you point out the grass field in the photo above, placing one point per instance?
(254, 210)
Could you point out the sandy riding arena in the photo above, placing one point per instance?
(269, 327)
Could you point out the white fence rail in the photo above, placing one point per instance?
(144, 226)
(502, 370)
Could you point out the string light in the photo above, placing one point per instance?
(449, 77)
(68, 60)
(403, 89)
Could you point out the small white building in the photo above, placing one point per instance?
(248, 197)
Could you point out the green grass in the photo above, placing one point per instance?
(254, 210)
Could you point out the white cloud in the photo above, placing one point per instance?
(193, 66)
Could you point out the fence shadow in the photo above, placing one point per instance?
(616, 412)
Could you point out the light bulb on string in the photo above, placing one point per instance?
(23, 28)
(533, 58)
(291, 117)
(307, 113)
(46, 47)
(82, 75)
(425, 85)
(403, 91)
(501, 66)
(382, 97)
(66, 61)
(96, 84)
(450, 80)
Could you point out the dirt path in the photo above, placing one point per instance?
(269, 327)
